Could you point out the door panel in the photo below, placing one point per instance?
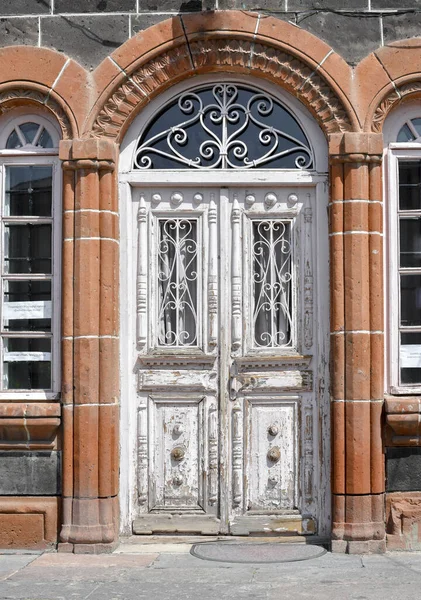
(177, 361)
(177, 440)
(228, 361)
(271, 454)
(273, 362)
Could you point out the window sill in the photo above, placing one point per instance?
(405, 391)
(12, 396)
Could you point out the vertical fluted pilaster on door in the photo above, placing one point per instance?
(213, 273)
(142, 274)
(236, 278)
(237, 455)
(357, 497)
(90, 510)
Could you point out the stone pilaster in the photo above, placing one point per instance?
(90, 364)
(357, 342)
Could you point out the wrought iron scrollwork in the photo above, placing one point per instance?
(224, 126)
(272, 278)
(177, 277)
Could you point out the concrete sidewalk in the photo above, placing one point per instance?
(169, 572)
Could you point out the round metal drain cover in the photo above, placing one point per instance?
(255, 552)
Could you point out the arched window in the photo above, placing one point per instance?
(30, 230)
(402, 135)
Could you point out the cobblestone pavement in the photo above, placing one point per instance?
(164, 572)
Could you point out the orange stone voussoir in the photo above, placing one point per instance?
(401, 58)
(47, 78)
(370, 79)
(159, 37)
(28, 63)
(401, 65)
(233, 41)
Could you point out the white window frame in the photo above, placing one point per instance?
(395, 153)
(37, 157)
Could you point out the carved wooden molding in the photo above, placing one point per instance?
(20, 95)
(388, 103)
(224, 54)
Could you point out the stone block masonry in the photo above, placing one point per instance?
(89, 30)
(29, 473)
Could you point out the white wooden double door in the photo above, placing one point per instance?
(230, 417)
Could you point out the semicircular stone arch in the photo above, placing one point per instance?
(229, 54)
(390, 100)
(20, 95)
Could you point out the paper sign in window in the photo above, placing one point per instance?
(410, 356)
(27, 356)
(27, 310)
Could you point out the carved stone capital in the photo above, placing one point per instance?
(355, 147)
(89, 153)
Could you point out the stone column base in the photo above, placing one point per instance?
(87, 548)
(358, 546)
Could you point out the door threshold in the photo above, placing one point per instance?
(179, 544)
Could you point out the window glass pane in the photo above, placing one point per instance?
(410, 242)
(405, 134)
(13, 141)
(28, 191)
(45, 140)
(410, 185)
(410, 300)
(27, 248)
(272, 278)
(27, 364)
(417, 124)
(410, 357)
(177, 282)
(27, 306)
(29, 131)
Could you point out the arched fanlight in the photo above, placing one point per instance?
(29, 135)
(224, 126)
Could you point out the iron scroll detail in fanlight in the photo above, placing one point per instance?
(224, 126)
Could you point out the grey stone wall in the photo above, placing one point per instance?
(25, 473)
(89, 30)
